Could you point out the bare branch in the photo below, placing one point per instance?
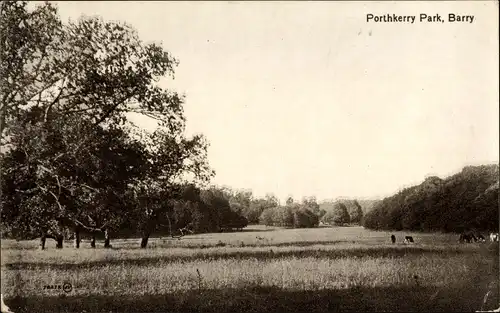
(77, 111)
(88, 187)
(113, 108)
(56, 198)
(53, 194)
(29, 191)
(44, 168)
(39, 65)
(58, 185)
(54, 101)
(93, 229)
(47, 86)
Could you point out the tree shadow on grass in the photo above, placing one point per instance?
(166, 243)
(250, 230)
(263, 255)
(266, 299)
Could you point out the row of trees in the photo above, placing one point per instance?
(249, 206)
(341, 212)
(187, 208)
(309, 213)
(464, 201)
(289, 216)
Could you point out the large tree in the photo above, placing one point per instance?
(67, 93)
(355, 211)
(337, 216)
(312, 204)
(258, 206)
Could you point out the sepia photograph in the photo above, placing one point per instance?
(249, 156)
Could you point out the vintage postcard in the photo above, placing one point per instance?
(249, 156)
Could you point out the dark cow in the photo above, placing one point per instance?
(464, 237)
(481, 238)
(473, 237)
(409, 239)
(393, 239)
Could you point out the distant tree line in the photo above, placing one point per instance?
(186, 208)
(309, 213)
(341, 212)
(292, 214)
(464, 201)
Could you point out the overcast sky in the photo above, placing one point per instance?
(307, 98)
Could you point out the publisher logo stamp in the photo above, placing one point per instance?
(66, 287)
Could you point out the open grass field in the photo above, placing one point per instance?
(258, 269)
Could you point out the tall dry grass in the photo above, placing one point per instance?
(283, 262)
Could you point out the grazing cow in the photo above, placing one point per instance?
(461, 239)
(393, 239)
(494, 237)
(409, 239)
(465, 238)
(469, 237)
(473, 237)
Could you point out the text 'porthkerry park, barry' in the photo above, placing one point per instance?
(422, 17)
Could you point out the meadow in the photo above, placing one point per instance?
(258, 269)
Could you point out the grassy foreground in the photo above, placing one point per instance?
(261, 269)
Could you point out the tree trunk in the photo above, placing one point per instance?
(2, 118)
(144, 241)
(76, 242)
(106, 239)
(170, 226)
(92, 242)
(43, 239)
(59, 242)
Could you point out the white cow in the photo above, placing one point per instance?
(4, 308)
(494, 236)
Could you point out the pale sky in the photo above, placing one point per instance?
(308, 99)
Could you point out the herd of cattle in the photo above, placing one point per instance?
(464, 238)
(470, 237)
(408, 239)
